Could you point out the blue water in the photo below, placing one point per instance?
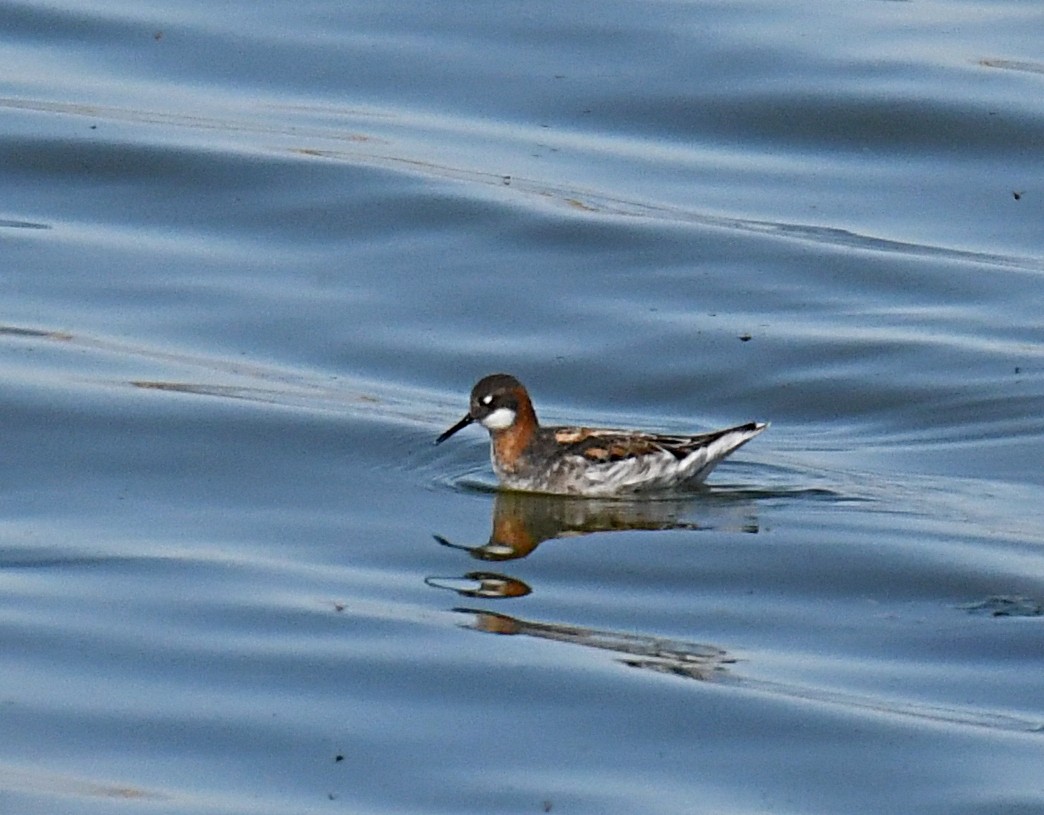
(252, 259)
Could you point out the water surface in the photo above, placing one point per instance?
(253, 262)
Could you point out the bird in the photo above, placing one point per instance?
(588, 461)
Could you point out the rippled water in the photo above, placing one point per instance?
(255, 256)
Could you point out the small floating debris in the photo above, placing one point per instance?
(1006, 606)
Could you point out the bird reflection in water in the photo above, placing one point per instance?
(676, 657)
(487, 585)
(522, 521)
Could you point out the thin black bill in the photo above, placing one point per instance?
(468, 419)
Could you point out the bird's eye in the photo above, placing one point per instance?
(487, 399)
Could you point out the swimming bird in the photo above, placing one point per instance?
(588, 461)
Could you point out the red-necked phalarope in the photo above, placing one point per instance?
(584, 460)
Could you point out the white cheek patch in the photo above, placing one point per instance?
(499, 419)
